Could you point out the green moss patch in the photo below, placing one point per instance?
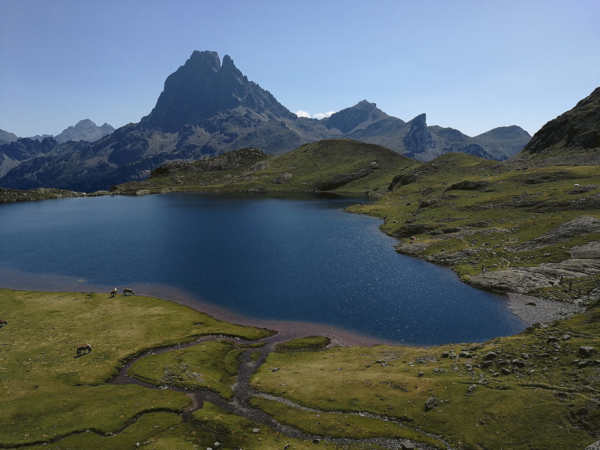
(304, 344)
(210, 365)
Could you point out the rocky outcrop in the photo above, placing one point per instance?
(591, 250)
(467, 185)
(341, 180)
(525, 279)
(410, 229)
(580, 226)
(231, 160)
(282, 178)
(419, 138)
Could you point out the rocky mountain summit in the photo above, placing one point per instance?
(84, 130)
(208, 108)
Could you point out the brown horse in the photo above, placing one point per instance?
(113, 293)
(128, 291)
(3, 323)
(83, 349)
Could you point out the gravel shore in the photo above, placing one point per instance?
(535, 310)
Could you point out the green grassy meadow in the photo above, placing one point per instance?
(47, 392)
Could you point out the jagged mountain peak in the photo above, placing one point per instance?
(420, 120)
(206, 59)
(203, 87)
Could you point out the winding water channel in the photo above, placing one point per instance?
(243, 391)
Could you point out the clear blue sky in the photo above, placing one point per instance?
(471, 65)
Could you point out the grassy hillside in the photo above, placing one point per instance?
(340, 166)
(526, 230)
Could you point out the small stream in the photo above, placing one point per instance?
(243, 392)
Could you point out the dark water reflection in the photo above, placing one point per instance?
(289, 259)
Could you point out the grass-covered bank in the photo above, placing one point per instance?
(47, 392)
(535, 390)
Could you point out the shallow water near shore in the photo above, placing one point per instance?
(257, 259)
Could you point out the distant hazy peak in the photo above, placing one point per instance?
(511, 131)
(8, 136)
(84, 130)
(347, 119)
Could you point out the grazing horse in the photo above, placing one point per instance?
(113, 293)
(3, 323)
(83, 349)
(128, 291)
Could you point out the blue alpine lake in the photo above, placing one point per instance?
(298, 258)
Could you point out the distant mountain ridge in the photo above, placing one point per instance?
(17, 150)
(208, 108)
(84, 130)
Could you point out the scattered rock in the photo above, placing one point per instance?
(489, 356)
(468, 186)
(282, 178)
(430, 404)
(586, 351)
(579, 226)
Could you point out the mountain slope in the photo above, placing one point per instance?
(7, 136)
(330, 165)
(571, 138)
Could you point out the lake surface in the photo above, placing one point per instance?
(291, 259)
